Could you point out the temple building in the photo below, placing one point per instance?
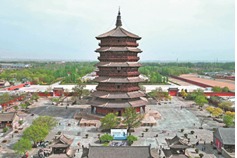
(118, 76)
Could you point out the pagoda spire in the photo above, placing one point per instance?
(118, 21)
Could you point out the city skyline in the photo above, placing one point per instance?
(200, 30)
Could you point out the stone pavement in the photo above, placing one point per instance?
(173, 119)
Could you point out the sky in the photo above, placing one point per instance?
(171, 30)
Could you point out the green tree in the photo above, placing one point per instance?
(131, 118)
(23, 105)
(35, 133)
(35, 97)
(225, 89)
(5, 98)
(200, 100)
(47, 122)
(216, 89)
(226, 105)
(106, 138)
(22, 146)
(228, 120)
(131, 139)
(110, 121)
(16, 108)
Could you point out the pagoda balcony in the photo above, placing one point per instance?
(118, 74)
(119, 59)
(114, 89)
(116, 44)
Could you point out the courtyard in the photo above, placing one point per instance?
(175, 115)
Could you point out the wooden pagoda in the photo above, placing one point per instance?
(118, 77)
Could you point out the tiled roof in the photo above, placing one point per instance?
(118, 32)
(119, 152)
(63, 139)
(118, 104)
(119, 80)
(227, 135)
(110, 95)
(7, 116)
(118, 49)
(118, 64)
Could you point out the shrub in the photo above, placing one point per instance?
(106, 138)
(192, 132)
(87, 135)
(106, 144)
(185, 135)
(182, 130)
(201, 155)
(20, 122)
(196, 150)
(146, 129)
(5, 130)
(131, 139)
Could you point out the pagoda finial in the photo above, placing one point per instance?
(119, 21)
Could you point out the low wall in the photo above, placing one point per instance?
(17, 86)
(219, 94)
(227, 154)
(192, 82)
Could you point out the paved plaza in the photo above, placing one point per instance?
(175, 115)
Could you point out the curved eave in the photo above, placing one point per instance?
(119, 80)
(118, 104)
(117, 95)
(118, 64)
(118, 49)
(118, 32)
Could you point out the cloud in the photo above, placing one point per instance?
(169, 29)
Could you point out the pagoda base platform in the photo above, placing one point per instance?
(119, 111)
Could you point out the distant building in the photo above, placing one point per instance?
(13, 66)
(9, 120)
(118, 76)
(4, 84)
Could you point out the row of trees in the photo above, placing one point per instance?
(219, 89)
(47, 73)
(228, 116)
(35, 133)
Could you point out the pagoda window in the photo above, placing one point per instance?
(118, 68)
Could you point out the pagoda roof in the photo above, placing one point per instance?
(114, 95)
(118, 32)
(119, 80)
(118, 49)
(118, 64)
(118, 103)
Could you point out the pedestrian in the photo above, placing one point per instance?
(12, 135)
(196, 136)
(194, 124)
(78, 149)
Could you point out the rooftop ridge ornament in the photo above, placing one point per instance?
(118, 21)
